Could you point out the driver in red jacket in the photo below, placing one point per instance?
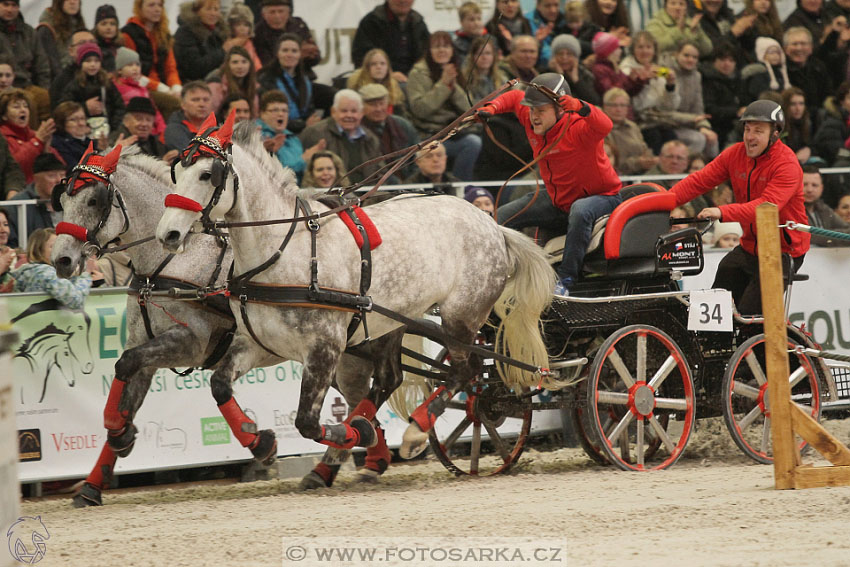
(581, 184)
(760, 169)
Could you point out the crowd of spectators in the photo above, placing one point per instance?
(673, 90)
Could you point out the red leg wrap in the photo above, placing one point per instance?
(242, 427)
(378, 457)
(327, 472)
(113, 419)
(423, 416)
(352, 437)
(366, 408)
(101, 474)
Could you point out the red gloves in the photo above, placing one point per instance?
(570, 104)
(485, 112)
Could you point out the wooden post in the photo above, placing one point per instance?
(786, 456)
(786, 417)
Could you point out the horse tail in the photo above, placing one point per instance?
(528, 292)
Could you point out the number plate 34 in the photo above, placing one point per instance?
(710, 310)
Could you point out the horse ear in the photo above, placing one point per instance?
(210, 122)
(111, 159)
(89, 151)
(226, 131)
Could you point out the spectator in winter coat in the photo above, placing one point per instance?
(470, 29)
(93, 88)
(32, 69)
(566, 61)
(634, 155)
(107, 35)
(833, 133)
(482, 73)
(71, 138)
(696, 132)
(606, 70)
(718, 22)
(66, 75)
(393, 132)
(580, 27)
(398, 29)
(799, 130)
(147, 34)
(128, 76)
(55, 26)
(287, 74)
(506, 24)
(770, 73)
(522, 61)
(760, 18)
(11, 177)
(611, 17)
(277, 19)
(236, 76)
(137, 129)
(721, 86)
(672, 25)
(240, 22)
(195, 107)
(25, 144)
(344, 135)
(201, 40)
(547, 22)
(377, 69)
(809, 14)
(48, 170)
(280, 142)
(804, 70)
(431, 166)
(40, 275)
(819, 213)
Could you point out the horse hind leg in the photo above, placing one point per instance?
(262, 444)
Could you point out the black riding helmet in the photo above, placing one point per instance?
(765, 111)
(553, 82)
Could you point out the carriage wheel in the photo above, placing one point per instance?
(484, 407)
(641, 399)
(746, 405)
(582, 428)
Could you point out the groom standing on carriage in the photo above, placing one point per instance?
(566, 136)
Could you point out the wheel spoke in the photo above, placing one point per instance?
(616, 398)
(765, 435)
(496, 440)
(663, 373)
(622, 426)
(621, 369)
(744, 390)
(749, 418)
(623, 441)
(755, 368)
(653, 422)
(454, 404)
(640, 443)
(475, 450)
(456, 433)
(641, 357)
(797, 376)
(672, 403)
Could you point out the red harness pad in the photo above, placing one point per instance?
(368, 225)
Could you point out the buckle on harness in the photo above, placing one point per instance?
(313, 225)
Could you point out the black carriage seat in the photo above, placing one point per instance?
(554, 246)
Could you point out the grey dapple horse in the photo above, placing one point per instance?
(436, 251)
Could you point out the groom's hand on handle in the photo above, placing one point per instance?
(485, 112)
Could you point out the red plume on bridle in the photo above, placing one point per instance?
(94, 167)
(210, 141)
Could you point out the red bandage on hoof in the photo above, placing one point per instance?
(366, 408)
(113, 419)
(378, 458)
(240, 424)
(101, 474)
(327, 473)
(426, 414)
(358, 433)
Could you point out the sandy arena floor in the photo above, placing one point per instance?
(712, 508)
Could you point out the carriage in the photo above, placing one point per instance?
(639, 377)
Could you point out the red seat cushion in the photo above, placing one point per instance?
(629, 209)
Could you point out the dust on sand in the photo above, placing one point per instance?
(713, 507)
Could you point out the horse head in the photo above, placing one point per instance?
(87, 199)
(206, 184)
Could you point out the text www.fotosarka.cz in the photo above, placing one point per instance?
(422, 552)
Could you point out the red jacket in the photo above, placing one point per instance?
(578, 166)
(774, 177)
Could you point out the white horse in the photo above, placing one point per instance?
(436, 251)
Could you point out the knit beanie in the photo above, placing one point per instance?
(762, 45)
(604, 44)
(568, 42)
(105, 12)
(472, 192)
(86, 49)
(124, 56)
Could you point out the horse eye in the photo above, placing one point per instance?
(205, 176)
(92, 202)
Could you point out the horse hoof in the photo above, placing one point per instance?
(88, 495)
(368, 476)
(368, 435)
(265, 451)
(312, 481)
(123, 444)
(413, 442)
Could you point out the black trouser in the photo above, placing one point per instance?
(739, 273)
